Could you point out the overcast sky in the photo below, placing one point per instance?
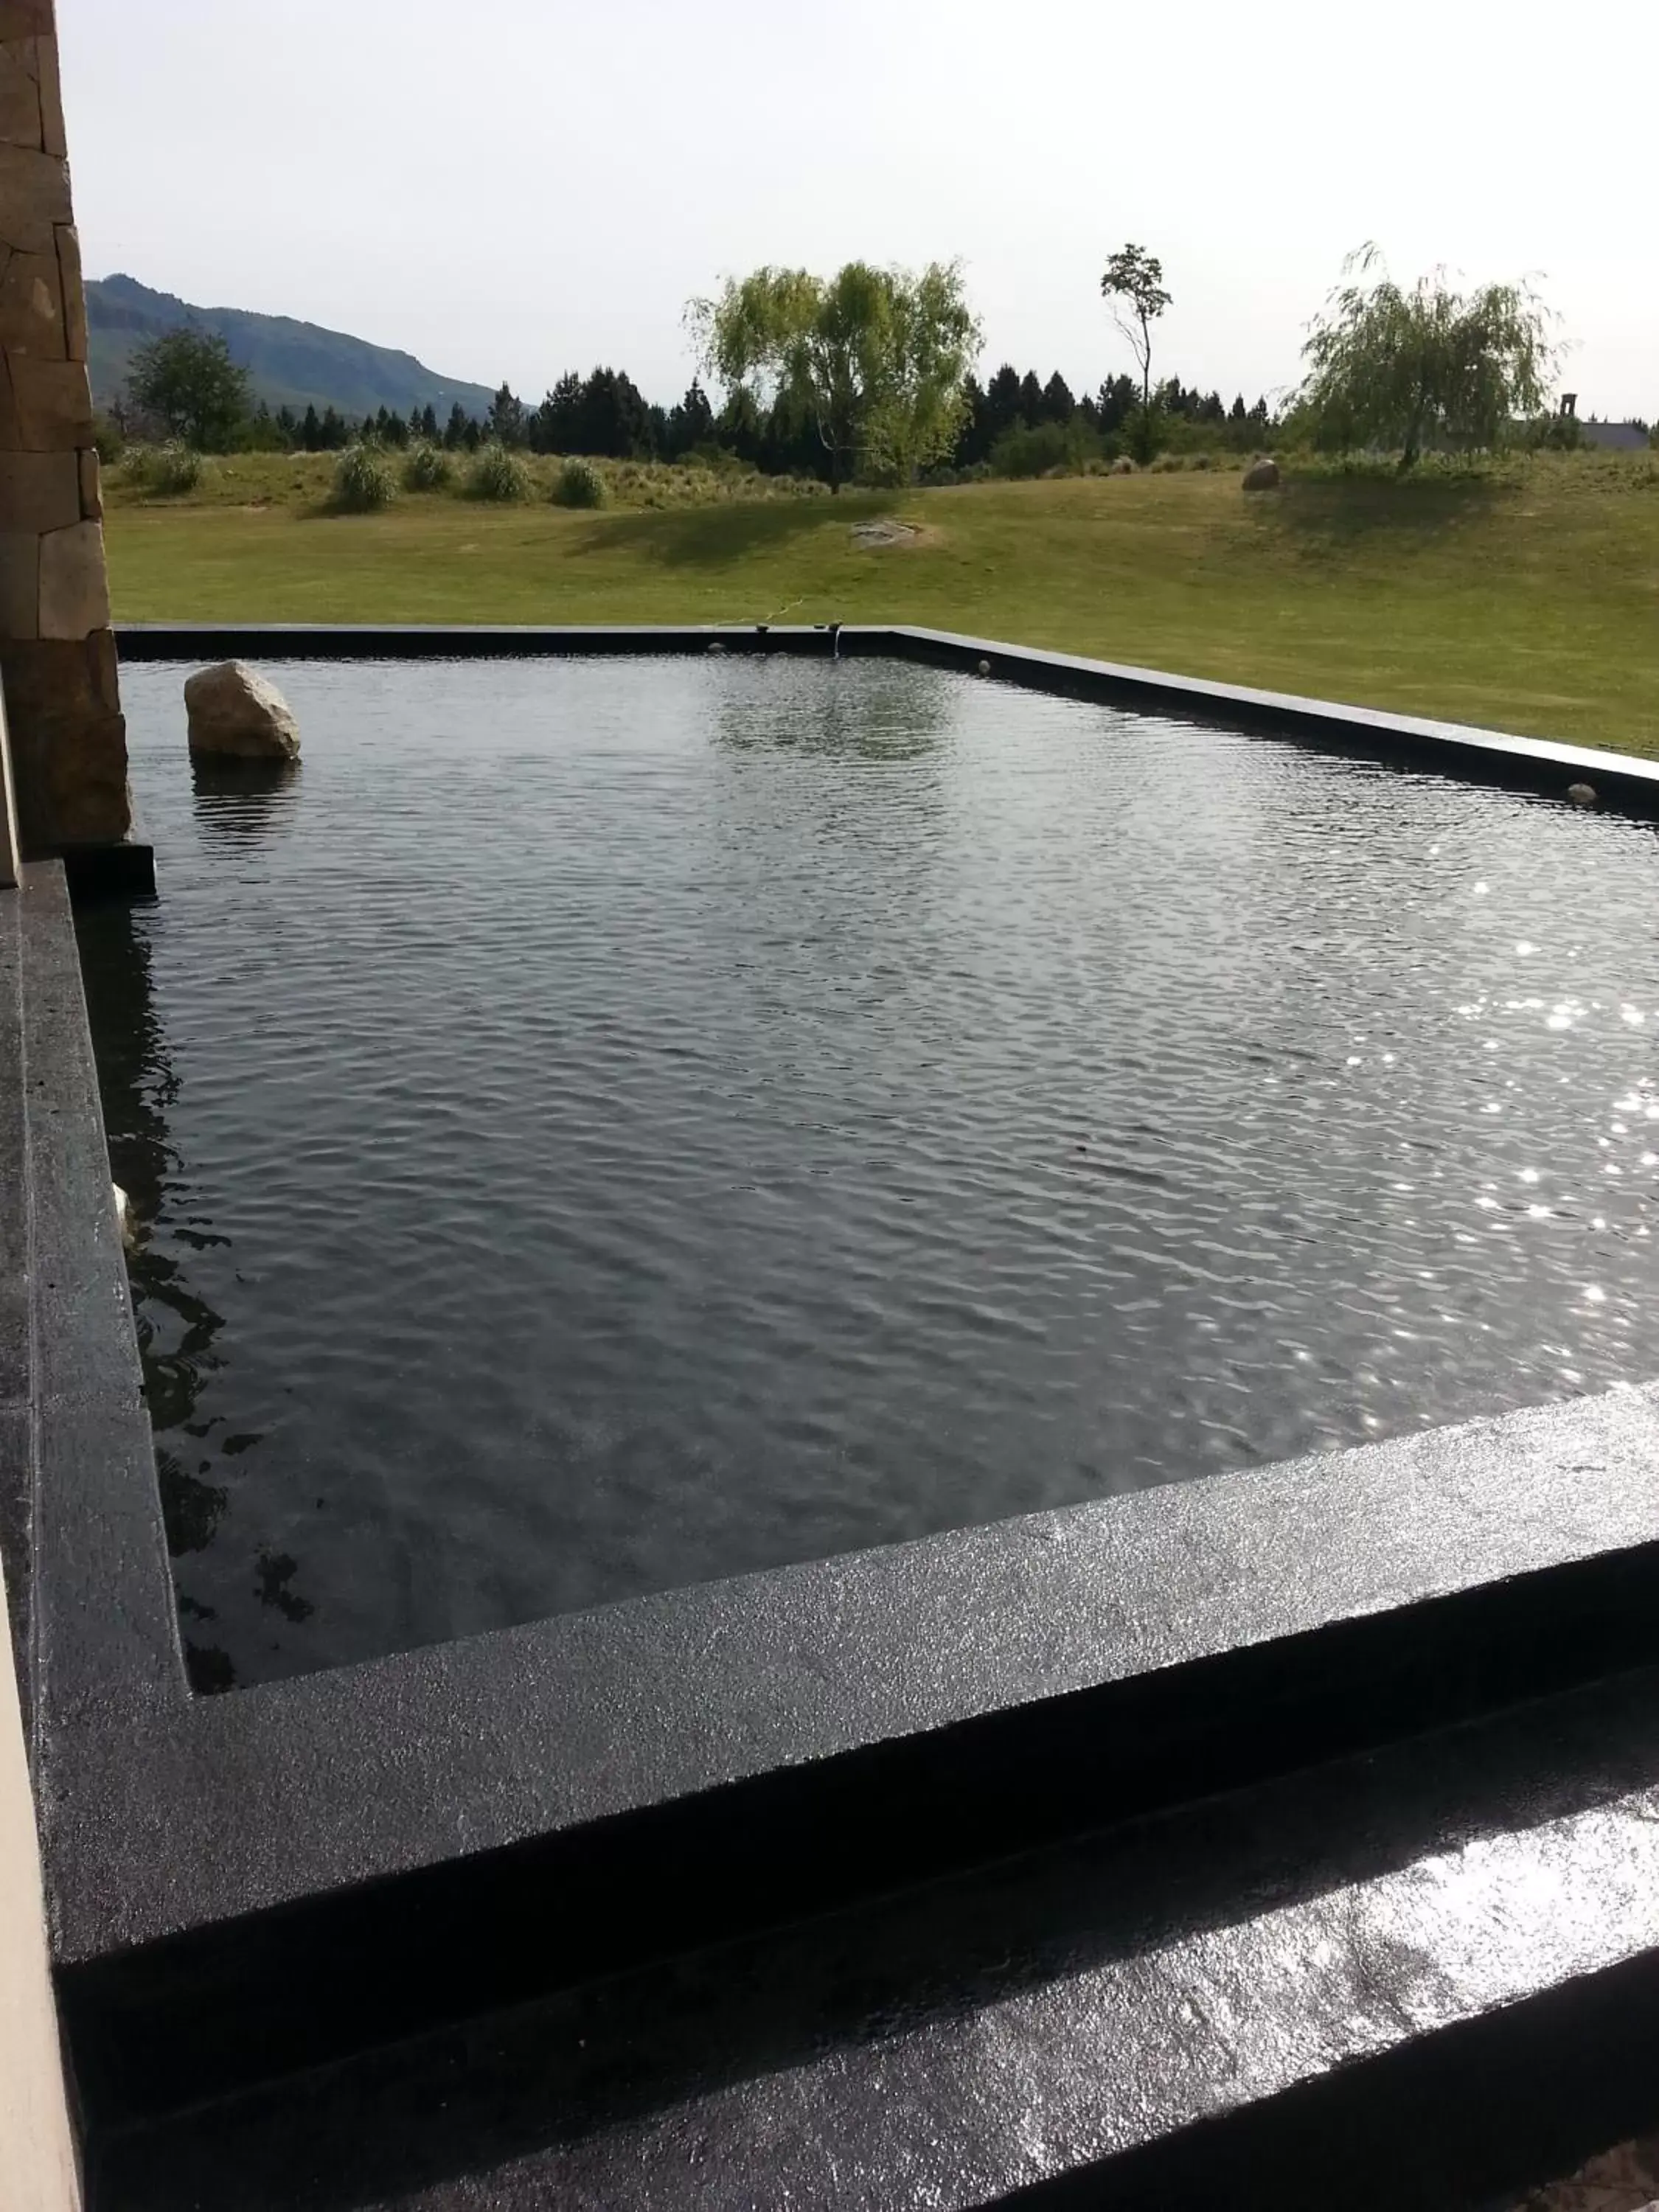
(521, 186)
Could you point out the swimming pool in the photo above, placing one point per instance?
(607, 1124)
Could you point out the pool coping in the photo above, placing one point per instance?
(681, 1768)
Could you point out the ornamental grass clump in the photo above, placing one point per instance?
(579, 483)
(363, 481)
(427, 468)
(166, 470)
(497, 475)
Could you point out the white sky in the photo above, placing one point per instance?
(521, 186)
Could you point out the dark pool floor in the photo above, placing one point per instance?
(604, 1125)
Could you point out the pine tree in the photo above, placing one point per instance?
(1117, 398)
(428, 422)
(1031, 399)
(455, 428)
(1001, 403)
(1058, 405)
(334, 432)
(505, 421)
(311, 430)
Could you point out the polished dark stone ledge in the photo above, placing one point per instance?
(1238, 1834)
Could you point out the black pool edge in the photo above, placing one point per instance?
(684, 1769)
(1458, 748)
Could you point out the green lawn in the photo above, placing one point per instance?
(1529, 603)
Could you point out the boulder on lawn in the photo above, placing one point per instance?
(1261, 475)
(1123, 466)
(235, 714)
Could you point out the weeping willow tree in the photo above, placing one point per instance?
(877, 360)
(1393, 367)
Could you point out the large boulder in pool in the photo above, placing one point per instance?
(1262, 475)
(236, 714)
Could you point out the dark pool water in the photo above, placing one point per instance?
(604, 1125)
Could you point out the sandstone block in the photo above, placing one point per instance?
(31, 305)
(19, 583)
(236, 712)
(35, 198)
(69, 741)
(92, 488)
(20, 95)
(86, 789)
(40, 491)
(54, 139)
(57, 679)
(73, 581)
(52, 404)
(73, 290)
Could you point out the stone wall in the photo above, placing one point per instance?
(57, 654)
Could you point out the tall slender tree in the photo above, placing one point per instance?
(1132, 287)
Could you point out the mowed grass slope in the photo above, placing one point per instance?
(1529, 601)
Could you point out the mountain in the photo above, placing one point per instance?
(292, 363)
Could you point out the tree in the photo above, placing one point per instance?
(187, 378)
(611, 417)
(556, 423)
(311, 430)
(1114, 403)
(455, 428)
(504, 422)
(876, 359)
(1134, 279)
(1058, 405)
(1001, 402)
(690, 424)
(1392, 368)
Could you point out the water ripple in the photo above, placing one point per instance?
(604, 1125)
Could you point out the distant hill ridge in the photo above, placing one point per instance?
(291, 363)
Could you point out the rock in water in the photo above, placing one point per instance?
(236, 714)
(1581, 794)
(125, 1216)
(1262, 475)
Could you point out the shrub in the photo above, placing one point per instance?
(109, 438)
(498, 474)
(363, 481)
(1061, 448)
(427, 469)
(166, 470)
(579, 483)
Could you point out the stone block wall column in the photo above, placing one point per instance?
(57, 651)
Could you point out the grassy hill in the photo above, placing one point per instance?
(293, 364)
(1529, 601)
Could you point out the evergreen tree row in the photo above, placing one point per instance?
(1011, 402)
(606, 414)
